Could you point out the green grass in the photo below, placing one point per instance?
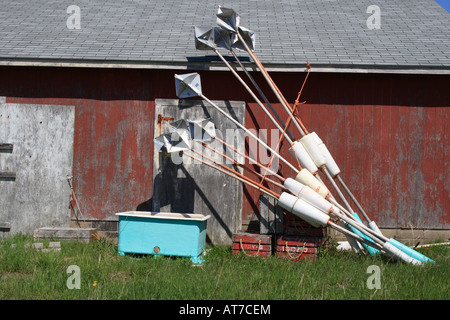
(29, 274)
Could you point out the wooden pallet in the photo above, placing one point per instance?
(252, 244)
(297, 247)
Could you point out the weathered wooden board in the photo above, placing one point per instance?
(39, 166)
(65, 234)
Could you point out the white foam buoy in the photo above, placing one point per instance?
(312, 197)
(293, 186)
(330, 163)
(306, 177)
(309, 195)
(312, 147)
(302, 209)
(299, 152)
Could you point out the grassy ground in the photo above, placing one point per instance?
(29, 274)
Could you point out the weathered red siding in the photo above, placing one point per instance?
(387, 133)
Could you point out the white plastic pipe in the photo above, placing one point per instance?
(261, 93)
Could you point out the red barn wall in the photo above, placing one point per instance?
(387, 132)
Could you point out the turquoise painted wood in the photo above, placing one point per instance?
(162, 233)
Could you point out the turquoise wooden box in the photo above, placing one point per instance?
(162, 233)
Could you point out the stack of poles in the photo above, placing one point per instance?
(323, 160)
(309, 198)
(285, 132)
(304, 201)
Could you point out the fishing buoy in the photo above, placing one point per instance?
(306, 177)
(299, 152)
(303, 210)
(293, 186)
(330, 163)
(312, 197)
(309, 195)
(311, 146)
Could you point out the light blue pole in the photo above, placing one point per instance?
(409, 251)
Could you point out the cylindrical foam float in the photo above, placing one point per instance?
(306, 177)
(329, 161)
(311, 146)
(288, 201)
(312, 197)
(303, 210)
(304, 192)
(331, 165)
(303, 157)
(293, 186)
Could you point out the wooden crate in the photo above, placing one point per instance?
(294, 226)
(297, 247)
(252, 244)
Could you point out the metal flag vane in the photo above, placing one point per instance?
(210, 38)
(188, 85)
(183, 132)
(202, 130)
(191, 82)
(228, 19)
(249, 38)
(167, 143)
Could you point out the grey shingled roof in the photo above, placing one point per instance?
(413, 34)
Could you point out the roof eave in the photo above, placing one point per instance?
(216, 66)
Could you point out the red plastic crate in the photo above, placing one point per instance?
(252, 244)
